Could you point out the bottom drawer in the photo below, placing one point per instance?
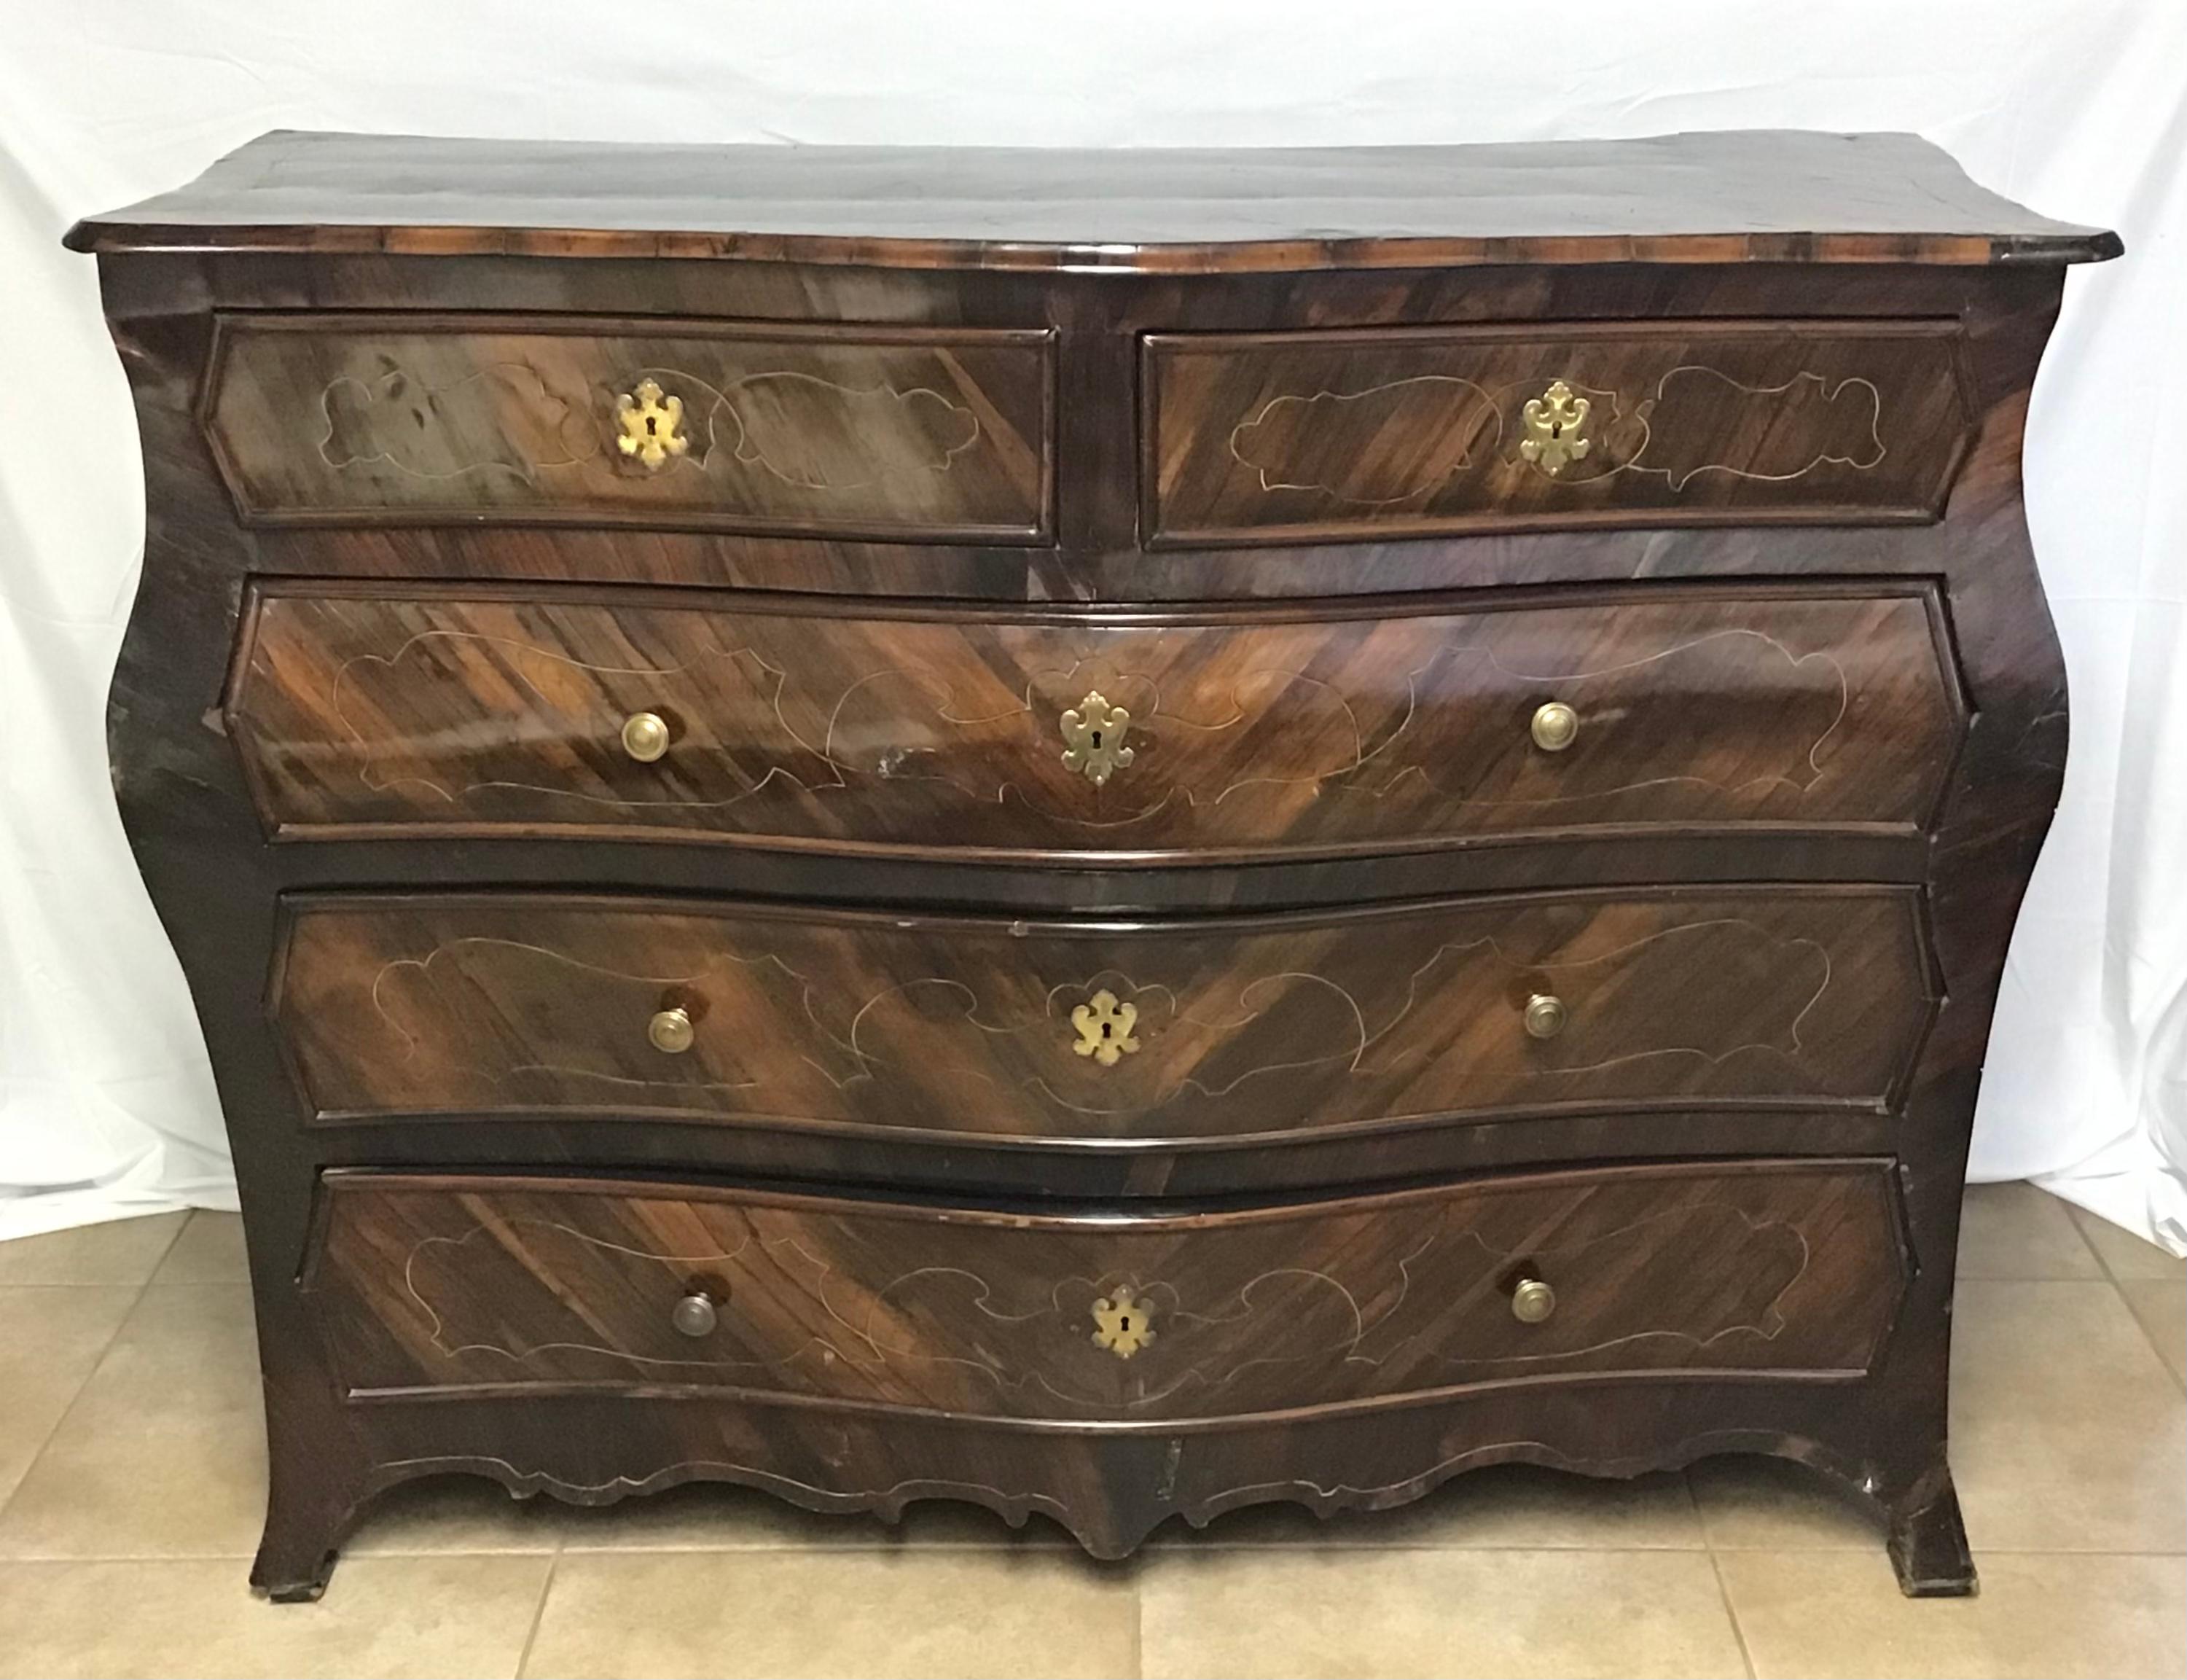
(440, 1284)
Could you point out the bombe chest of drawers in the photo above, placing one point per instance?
(1112, 835)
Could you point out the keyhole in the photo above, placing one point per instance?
(1108, 1029)
(1124, 1324)
(652, 425)
(1097, 738)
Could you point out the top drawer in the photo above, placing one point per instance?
(1285, 436)
(825, 431)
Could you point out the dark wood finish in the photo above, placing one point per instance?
(1921, 842)
(1765, 196)
(438, 1284)
(908, 434)
(1344, 434)
(1396, 727)
(950, 1026)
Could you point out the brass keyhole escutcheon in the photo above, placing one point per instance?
(646, 736)
(1555, 726)
(1093, 739)
(1553, 422)
(1122, 1322)
(651, 425)
(1545, 1015)
(671, 1032)
(1104, 1028)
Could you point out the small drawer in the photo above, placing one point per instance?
(917, 434)
(1195, 1032)
(431, 1285)
(1136, 738)
(1304, 436)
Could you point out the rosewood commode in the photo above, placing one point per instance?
(1110, 834)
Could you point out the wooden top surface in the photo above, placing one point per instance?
(1761, 195)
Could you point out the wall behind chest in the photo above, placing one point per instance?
(105, 1081)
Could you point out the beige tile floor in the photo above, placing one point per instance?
(131, 1473)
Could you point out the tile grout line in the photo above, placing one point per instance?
(105, 1352)
(1731, 1613)
(2118, 1289)
(538, 1615)
(1139, 1625)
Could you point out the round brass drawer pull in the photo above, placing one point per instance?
(695, 1316)
(646, 736)
(671, 1031)
(1545, 1015)
(1555, 726)
(1532, 1302)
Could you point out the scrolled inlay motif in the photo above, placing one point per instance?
(515, 1281)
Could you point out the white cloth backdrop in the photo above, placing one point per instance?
(2076, 107)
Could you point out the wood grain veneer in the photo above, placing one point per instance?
(524, 1045)
(1341, 728)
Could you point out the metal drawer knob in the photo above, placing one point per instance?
(1555, 726)
(671, 1031)
(1545, 1015)
(1532, 1302)
(694, 1315)
(646, 736)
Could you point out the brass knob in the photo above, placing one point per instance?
(1532, 1302)
(646, 736)
(1555, 726)
(694, 1315)
(671, 1031)
(1545, 1015)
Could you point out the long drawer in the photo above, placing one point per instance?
(1358, 433)
(835, 429)
(433, 1284)
(393, 709)
(1196, 1031)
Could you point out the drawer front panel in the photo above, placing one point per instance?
(1697, 708)
(429, 1285)
(1197, 1031)
(827, 430)
(1285, 436)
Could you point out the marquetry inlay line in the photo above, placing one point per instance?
(868, 413)
(858, 401)
(1831, 395)
(773, 682)
(506, 1233)
(1570, 964)
(1066, 1298)
(776, 678)
(424, 965)
(368, 416)
(1593, 673)
(1449, 464)
(1458, 464)
(1142, 1084)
